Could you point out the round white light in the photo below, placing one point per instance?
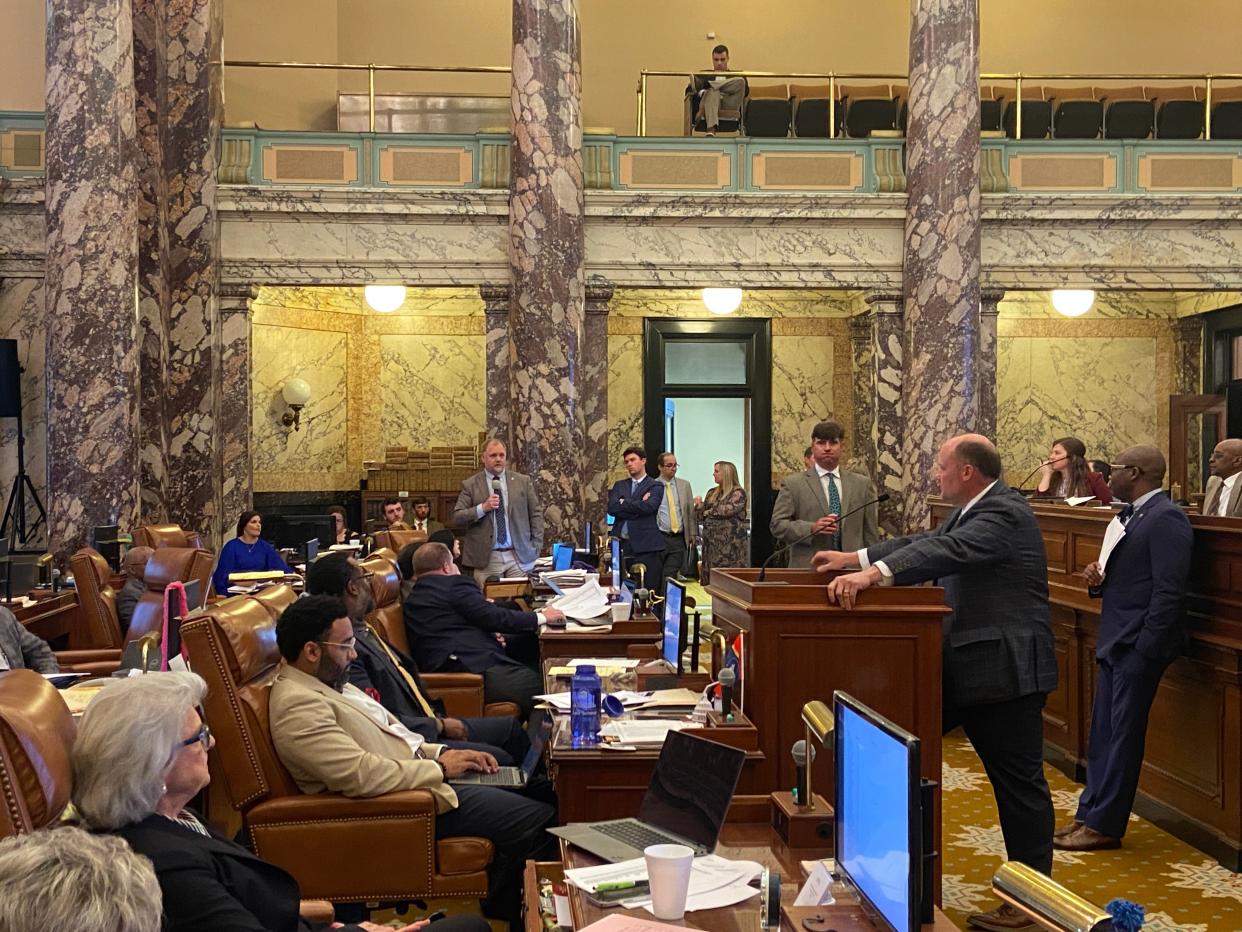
(722, 300)
(1073, 302)
(384, 298)
(295, 392)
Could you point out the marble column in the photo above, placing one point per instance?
(232, 414)
(594, 394)
(863, 445)
(989, 312)
(1188, 356)
(499, 354)
(546, 315)
(940, 272)
(884, 382)
(180, 110)
(91, 271)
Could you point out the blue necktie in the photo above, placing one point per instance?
(502, 526)
(834, 507)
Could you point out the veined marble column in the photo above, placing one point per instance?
(180, 109)
(1188, 356)
(91, 271)
(884, 381)
(232, 416)
(594, 394)
(940, 395)
(989, 312)
(499, 356)
(546, 319)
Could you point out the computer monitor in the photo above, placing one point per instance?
(614, 545)
(293, 531)
(879, 824)
(674, 644)
(587, 543)
(562, 557)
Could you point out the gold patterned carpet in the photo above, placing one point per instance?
(1179, 886)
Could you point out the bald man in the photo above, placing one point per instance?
(1142, 581)
(999, 664)
(133, 565)
(1222, 498)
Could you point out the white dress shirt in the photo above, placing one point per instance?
(1226, 492)
(378, 714)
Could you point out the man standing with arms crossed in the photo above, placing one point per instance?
(500, 511)
(999, 664)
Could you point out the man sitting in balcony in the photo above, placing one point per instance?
(715, 93)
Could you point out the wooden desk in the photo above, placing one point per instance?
(741, 840)
(1191, 784)
(52, 617)
(614, 643)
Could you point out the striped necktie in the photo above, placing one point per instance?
(422, 700)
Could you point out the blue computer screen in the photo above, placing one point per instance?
(673, 593)
(615, 551)
(876, 807)
(562, 557)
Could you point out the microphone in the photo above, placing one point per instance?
(763, 567)
(801, 794)
(1031, 473)
(727, 680)
(495, 486)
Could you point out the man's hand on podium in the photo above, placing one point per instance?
(826, 560)
(844, 589)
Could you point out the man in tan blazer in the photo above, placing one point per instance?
(812, 503)
(334, 738)
(1221, 498)
(675, 519)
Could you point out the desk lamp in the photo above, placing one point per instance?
(802, 818)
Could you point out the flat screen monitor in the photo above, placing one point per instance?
(562, 557)
(674, 623)
(878, 812)
(614, 545)
(293, 531)
(587, 543)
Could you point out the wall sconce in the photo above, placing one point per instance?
(384, 298)
(722, 300)
(296, 394)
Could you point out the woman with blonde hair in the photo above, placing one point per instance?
(726, 530)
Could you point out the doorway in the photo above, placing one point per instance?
(707, 396)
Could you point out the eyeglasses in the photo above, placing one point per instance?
(202, 736)
(346, 644)
(363, 576)
(1138, 470)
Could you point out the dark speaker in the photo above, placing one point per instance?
(10, 380)
(1233, 409)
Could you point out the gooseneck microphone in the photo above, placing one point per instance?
(763, 567)
(800, 795)
(1031, 473)
(727, 681)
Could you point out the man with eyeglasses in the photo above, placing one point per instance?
(675, 518)
(334, 738)
(1141, 576)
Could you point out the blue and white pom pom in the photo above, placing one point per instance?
(1127, 916)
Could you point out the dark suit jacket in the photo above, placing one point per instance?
(374, 672)
(1145, 582)
(450, 625)
(998, 640)
(627, 505)
(210, 884)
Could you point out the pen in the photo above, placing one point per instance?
(615, 885)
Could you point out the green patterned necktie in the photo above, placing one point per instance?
(834, 507)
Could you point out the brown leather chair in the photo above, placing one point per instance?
(156, 536)
(100, 624)
(461, 693)
(395, 540)
(339, 849)
(36, 736)
(167, 565)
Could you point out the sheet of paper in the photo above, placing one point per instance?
(817, 891)
(586, 601)
(589, 878)
(558, 701)
(715, 882)
(617, 923)
(625, 663)
(572, 627)
(647, 731)
(1079, 499)
(1112, 536)
(674, 697)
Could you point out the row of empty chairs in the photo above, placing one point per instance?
(776, 111)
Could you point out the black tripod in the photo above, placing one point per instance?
(15, 511)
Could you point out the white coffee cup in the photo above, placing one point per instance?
(668, 872)
(620, 611)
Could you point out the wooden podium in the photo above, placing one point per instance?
(797, 646)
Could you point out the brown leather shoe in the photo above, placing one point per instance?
(1086, 839)
(1004, 918)
(1068, 829)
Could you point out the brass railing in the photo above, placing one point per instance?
(1016, 77)
(371, 70)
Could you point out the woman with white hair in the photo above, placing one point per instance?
(139, 758)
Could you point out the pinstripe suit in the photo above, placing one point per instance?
(999, 662)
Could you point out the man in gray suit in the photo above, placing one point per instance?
(812, 502)
(21, 650)
(675, 518)
(502, 517)
(1223, 496)
(999, 663)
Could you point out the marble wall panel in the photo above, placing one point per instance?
(802, 395)
(767, 302)
(21, 319)
(625, 396)
(280, 353)
(1106, 383)
(433, 389)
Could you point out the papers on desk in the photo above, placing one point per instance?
(567, 579)
(649, 731)
(715, 882)
(1079, 499)
(585, 602)
(617, 923)
(559, 702)
(618, 663)
(350, 546)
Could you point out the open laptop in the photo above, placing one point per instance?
(538, 729)
(685, 803)
(562, 557)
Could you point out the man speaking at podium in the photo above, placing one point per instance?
(998, 650)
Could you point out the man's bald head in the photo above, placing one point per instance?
(135, 562)
(978, 451)
(965, 466)
(1143, 471)
(1226, 458)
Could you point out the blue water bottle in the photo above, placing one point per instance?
(584, 701)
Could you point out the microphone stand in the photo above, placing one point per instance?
(763, 567)
(1031, 473)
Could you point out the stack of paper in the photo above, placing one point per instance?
(586, 601)
(651, 731)
(715, 882)
(622, 663)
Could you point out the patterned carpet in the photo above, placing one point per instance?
(1179, 886)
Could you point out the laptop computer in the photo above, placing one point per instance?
(562, 557)
(538, 729)
(685, 803)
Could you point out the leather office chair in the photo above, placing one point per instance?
(36, 736)
(395, 540)
(100, 624)
(461, 693)
(339, 849)
(167, 565)
(156, 536)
